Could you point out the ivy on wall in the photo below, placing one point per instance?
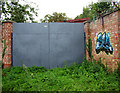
(89, 48)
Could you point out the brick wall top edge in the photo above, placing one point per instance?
(89, 21)
(8, 21)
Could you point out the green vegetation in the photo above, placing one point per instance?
(17, 12)
(3, 53)
(89, 48)
(3, 49)
(98, 9)
(55, 17)
(87, 76)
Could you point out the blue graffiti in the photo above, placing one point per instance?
(103, 43)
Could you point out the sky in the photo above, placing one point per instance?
(72, 8)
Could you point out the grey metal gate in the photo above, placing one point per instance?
(48, 44)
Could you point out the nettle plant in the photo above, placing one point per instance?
(89, 48)
(3, 52)
(1, 42)
(96, 65)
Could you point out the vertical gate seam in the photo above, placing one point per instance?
(49, 44)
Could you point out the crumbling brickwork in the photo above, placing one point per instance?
(0, 42)
(109, 25)
(6, 37)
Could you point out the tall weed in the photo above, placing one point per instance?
(86, 76)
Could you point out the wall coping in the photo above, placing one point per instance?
(8, 21)
(88, 21)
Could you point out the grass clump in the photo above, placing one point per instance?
(86, 76)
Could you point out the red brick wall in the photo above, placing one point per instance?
(0, 43)
(111, 25)
(88, 34)
(119, 35)
(6, 35)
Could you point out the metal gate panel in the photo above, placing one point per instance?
(66, 43)
(30, 43)
(49, 45)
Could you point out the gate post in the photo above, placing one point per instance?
(7, 28)
(0, 44)
(88, 36)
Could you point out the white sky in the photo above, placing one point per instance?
(72, 8)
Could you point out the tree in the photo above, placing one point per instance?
(98, 9)
(86, 12)
(17, 12)
(0, 8)
(55, 17)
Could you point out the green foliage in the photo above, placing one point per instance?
(100, 8)
(35, 69)
(89, 48)
(0, 63)
(1, 37)
(17, 12)
(85, 14)
(3, 53)
(97, 9)
(70, 78)
(55, 17)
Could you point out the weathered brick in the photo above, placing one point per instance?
(6, 32)
(0, 43)
(111, 25)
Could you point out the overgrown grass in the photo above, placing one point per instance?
(87, 76)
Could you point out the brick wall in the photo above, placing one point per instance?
(6, 36)
(119, 35)
(0, 43)
(109, 24)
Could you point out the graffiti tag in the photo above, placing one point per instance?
(103, 43)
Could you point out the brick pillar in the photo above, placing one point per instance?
(0, 44)
(88, 34)
(6, 36)
(119, 36)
